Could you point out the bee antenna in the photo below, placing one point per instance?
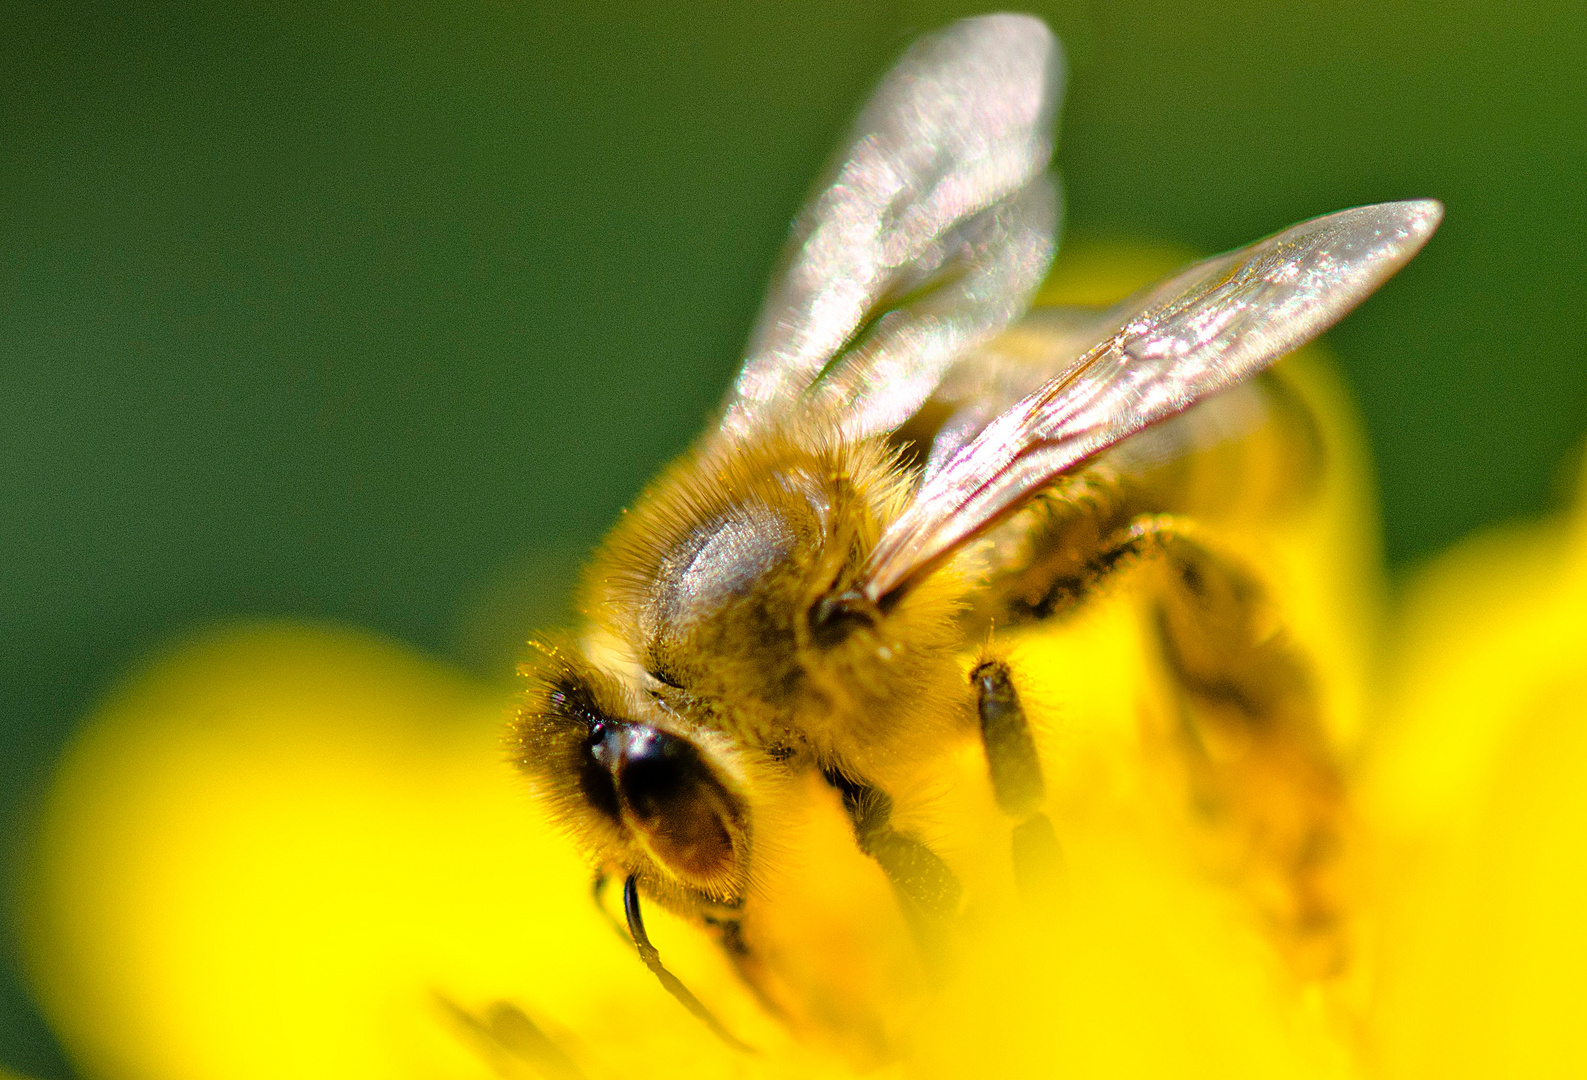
(652, 959)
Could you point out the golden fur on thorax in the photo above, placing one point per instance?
(752, 661)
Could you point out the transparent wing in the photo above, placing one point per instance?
(985, 382)
(1194, 334)
(929, 234)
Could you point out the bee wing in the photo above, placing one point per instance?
(1194, 334)
(982, 385)
(929, 234)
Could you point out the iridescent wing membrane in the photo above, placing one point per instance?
(929, 236)
(1200, 331)
(929, 233)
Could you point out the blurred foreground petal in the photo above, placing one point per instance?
(293, 851)
(296, 851)
(1480, 796)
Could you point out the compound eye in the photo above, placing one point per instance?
(674, 798)
(596, 769)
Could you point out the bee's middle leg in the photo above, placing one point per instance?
(1260, 767)
(1016, 773)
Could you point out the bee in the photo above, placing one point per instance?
(911, 462)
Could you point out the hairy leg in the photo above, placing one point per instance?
(1263, 779)
(1016, 776)
(927, 888)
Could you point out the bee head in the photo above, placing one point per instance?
(638, 792)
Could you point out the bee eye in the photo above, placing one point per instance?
(669, 794)
(596, 769)
(660, 774)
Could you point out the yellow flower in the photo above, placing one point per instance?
(296, 851)
(1479, 795)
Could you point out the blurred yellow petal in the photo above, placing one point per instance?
(1480, 794)
(290, 851)
(1145, 965)
(296, 851)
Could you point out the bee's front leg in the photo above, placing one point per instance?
(927, 887)
(1016, 776)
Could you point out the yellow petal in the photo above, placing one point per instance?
(292, 851)
(295, 851)
(1145, 965)
(1480, 794)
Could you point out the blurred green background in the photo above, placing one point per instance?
(353, 311)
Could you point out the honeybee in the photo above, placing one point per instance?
(911, 462)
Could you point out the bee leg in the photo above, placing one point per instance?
(598, 894)
(508, 1039)
(730, 938)
(1016, 777)
(674, 986)
(927, 888)
(1262, 772)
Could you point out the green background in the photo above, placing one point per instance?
(348, 312)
